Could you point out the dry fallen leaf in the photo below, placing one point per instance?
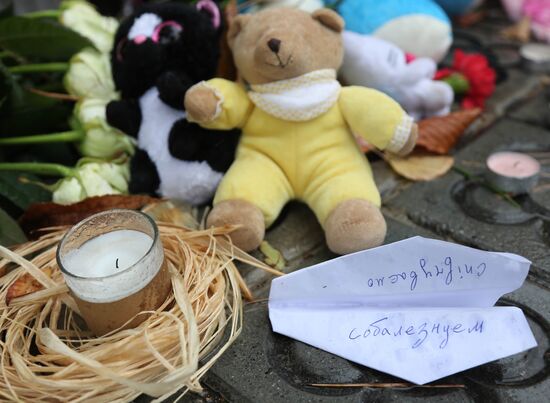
(521, 31)
(174, 212)
(42, 215)
(471, 18)
(226, 65)
(440, 133)
(26, 284)
(421, 167)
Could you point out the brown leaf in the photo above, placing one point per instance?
(421, 167)
(521, 31)
(26, 284)
(439, 134)
(226, 66)
(41, 215)
(471, 18)
(174, 212)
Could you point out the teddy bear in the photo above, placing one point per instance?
(298, 127)
(160, 51)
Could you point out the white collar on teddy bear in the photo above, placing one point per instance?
(298, 99)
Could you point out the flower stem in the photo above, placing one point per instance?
(40, 168)
(39, 68)
(53, 95)
(62, 137)
(44, 14)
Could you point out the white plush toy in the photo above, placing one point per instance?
(375, 63)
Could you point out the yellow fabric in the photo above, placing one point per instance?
(371, 114)
(316, 161)
(236, 105)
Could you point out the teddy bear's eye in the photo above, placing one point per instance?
(167, 32)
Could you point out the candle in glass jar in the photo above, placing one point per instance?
(108, 253)
(513, 172)
(113, 264)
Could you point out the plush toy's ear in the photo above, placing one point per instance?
(329, 19)
(236, 27)
(211, 9)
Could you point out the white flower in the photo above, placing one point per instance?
(100, 140)
(101, 178)
(93, 179)
(69, 190)
(82, 17)
(89, 75)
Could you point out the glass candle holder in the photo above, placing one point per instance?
(113, 263)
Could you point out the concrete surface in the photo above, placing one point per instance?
(265, 367)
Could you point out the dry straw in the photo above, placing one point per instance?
(47, 355)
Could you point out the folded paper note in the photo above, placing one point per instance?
(419, 309)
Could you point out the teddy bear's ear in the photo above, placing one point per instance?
(329, 19)
(236, 27)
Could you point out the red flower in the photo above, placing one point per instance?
(480, 77)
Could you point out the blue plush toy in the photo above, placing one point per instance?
(419, 27)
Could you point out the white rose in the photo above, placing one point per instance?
(82, 17)
(101, 178)
(89, 75)
(69, 191)
(100, 140)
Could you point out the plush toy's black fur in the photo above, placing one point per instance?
(173, 66)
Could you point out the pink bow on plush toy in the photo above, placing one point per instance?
(538, 12)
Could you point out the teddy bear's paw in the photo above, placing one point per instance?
(243, 213)
(354, 225)
(201, 103)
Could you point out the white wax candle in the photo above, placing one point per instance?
(108, 254)
(536, 52)
(513, 164)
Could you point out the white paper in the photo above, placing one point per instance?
(420, 309)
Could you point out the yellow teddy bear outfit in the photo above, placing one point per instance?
(297, 141)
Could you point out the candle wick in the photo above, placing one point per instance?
(516, 164)
(116, 263)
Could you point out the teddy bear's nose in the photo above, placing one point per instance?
(274, 44)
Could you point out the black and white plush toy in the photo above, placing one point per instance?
(161, 51)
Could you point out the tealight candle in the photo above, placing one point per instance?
(112, 263)
(536, 56)
(513, 172)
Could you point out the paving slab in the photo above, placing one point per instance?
(535, 112)
(266, 367)
(473, 215)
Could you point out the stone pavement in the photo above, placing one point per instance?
(265, 367)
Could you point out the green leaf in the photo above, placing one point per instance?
(37, 38)
(5, 84)
(21, 194)
(10, 232)
(7, 10)
(25, 113)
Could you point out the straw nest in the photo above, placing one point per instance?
(47, 355)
